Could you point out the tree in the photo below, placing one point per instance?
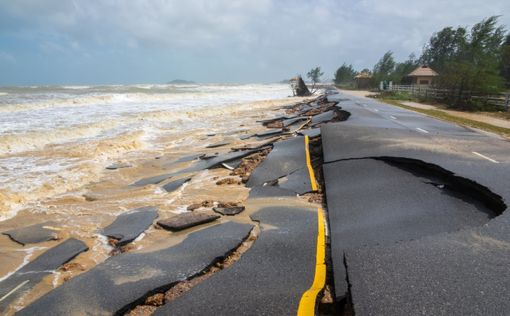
(401, 70)
(475, 67)
(315, 75)
(384, 67)
(442, 47)
(505, 61)
(344, 74)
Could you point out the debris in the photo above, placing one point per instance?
(174, 185)
(128, 226)
(33, 234)
(228, 181)
(223, 143)
(186, 220)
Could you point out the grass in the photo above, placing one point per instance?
(454, 119)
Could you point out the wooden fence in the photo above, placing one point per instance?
(501, 100)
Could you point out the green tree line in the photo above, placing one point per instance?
(469, 61)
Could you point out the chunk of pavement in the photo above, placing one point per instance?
(243, 137)
(189, 158)
(208, 156)
(151, 180)
(230, 211)
(312, 133)
(286, 157)
(269, 279)
(119, 165)
(231, 165)
(323, 117)
(31, 274)
(298, 181)
(270, 132)
(174, 185)
(187, 220)
(412, 209)
(114, 286)
(34, 233)
(274, 119)
(127, 226)
(219, 144)
(268, 191)
(216, 161)
(294, 120)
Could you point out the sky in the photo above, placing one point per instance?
(214, 41)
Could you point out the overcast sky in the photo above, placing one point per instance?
(155, 41)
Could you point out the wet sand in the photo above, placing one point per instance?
(83, 207)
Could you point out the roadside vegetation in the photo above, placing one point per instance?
(470, 62)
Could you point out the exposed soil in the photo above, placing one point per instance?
(249, 163)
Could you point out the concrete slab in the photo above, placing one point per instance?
(31, 274)
(286, 157)
(269, 191)
(127, 226)
(34, 233)
(373, 203)
(113, 286)
(151, 180)
(298, 181)
(294, 120)
(463, 273)
(187, 220)
(174, 185)
(312, 133)
(219, 144)
(271, 132)
(229, 211)
(323, 117)
(120, 165)
(268, 279)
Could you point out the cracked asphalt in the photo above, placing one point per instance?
(409, 247)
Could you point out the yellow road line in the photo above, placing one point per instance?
(309, 165)
(308, 300)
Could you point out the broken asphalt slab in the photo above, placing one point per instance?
(219, 144)
(269, 279)
(294, 120)
(122, 281)
(187, 220)
(298, 181)
(381, 204)
(31, 274)
(127, 226)
(462, 273)
(174, 185)
(229, 211)
(286, 157)
(312, 133)
(34, 233)
(271, 132)
(269, 191)
(151, 180)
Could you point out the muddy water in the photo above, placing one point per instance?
(63, 177)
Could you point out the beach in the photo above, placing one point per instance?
(70, 154)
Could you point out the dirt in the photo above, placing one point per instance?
(206, 203)
(229, 181)
(249, 163)
(71, 266)
(275, 124)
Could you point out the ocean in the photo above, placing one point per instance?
(58, 139)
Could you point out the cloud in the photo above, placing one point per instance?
(266, 39)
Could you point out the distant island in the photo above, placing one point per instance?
(180, 81)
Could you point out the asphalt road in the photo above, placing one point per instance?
(419, 236)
